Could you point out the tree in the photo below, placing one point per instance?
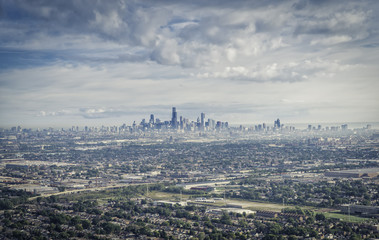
(313, 233)
(225, 218)
(275, 228)
(17, 234)
(86, 224)
(320, 217)
(79, 227)
(111, 227)
(75, 220)
(310, 220)
(5, 204)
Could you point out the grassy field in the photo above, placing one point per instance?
(155, 195)
(345, 217)
(256, 205)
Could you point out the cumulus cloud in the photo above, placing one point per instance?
(97, 113)
(284, 72)
(109, 59)
(185, 34)
(55, 113)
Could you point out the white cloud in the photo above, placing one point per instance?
(283, 72)
(166, 52)
(110, 24)
(109, 60)
(331, 40)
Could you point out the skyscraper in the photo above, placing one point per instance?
(174, 119)
(202, 121)
(181, 122)
(277, 123)
(151, 119)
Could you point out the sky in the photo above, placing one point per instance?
(92, 62)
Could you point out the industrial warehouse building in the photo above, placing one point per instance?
(369, 211)
(354, 173)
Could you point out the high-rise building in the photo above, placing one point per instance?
(211, 123)
(202, 121)
(218, 125)
(174, 119)
(277, 123)
(151, 119)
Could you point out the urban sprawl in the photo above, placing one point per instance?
(182, 179)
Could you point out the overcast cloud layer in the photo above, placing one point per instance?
(86, 62)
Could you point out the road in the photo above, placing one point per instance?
(87, 190)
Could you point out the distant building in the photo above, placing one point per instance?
(174, 118)
(354, 173)
(360, 210)
(218, 125)
(267, 214)
(151, 119)
(277, 123)
(17, 166)
(203, 188)
(202, 122)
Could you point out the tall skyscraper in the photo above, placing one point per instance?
(277, 123)
(151, 119)
(181, 122)
(202, 121)
(218, 125)
(211, 123)
(174, 119)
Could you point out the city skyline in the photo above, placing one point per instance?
(200, 124)
(245, 62)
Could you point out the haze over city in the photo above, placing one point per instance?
(65, 63)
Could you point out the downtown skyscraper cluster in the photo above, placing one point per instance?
(181, 123)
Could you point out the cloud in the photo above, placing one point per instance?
(105, 60)
(284, 72)
(166, 53)
(55, 114)
(185, 34)
(351, 24)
